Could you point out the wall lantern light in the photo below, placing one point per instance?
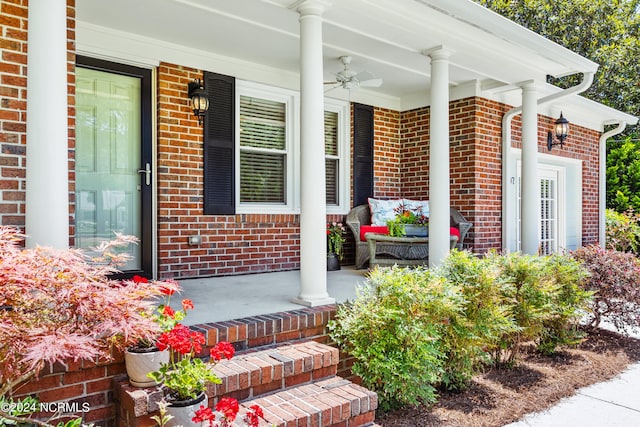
(199, 101)
(561, 129)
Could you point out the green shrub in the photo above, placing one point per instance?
(615, 278)
(543, 297)
(484, 318)
(411, 331)
(569, 302)
(394, 329)
(622, 231)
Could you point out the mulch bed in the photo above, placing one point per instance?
(500, 396)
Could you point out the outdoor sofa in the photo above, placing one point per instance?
(359, 221)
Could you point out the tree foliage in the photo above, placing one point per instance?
(604, 31)
(623, 174)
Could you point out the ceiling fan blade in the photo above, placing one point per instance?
(371, 83)
(364, 75)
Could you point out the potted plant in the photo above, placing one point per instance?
(409, 222)
(335, 240)
(145, 357)
(185, 376)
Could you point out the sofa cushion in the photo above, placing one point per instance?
(364, 229)
(383, 229)
(383, 210)
(454, 232)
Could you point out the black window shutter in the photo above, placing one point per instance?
(219, 145)
(362, 153)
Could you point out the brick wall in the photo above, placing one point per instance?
(13, 107)
(231, 244)
(476, 165)
(386, 153)
(81, 383)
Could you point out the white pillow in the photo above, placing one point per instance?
(383, 210)
(415, 204)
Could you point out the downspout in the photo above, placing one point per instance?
(602, 181)
(586, 82)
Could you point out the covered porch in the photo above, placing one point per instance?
(220, 299)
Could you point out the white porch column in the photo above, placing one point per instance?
(530, 187)
(313, 206)
(47, 192)
(439, 201)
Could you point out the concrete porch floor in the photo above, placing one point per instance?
(234, 297)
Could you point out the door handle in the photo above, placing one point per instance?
(147, 172)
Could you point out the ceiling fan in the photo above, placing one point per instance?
(350, 79)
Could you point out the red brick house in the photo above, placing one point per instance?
(97, 134)
(138, 161)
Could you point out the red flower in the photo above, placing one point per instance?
(253, 415)
(222, 350)
(167, 291)
(228, 407)
(181, 339)
(204, 414)
(168, 311)
(139, 279)
(187, 304)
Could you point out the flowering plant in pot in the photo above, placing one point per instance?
(335, 238)
(185, 376)
(407, 216)
(227, 409)
(145, 356)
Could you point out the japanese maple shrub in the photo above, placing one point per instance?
(60, 305)
(614, 277)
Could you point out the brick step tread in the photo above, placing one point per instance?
(252, 374)
(332, 402)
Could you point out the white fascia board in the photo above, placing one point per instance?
(478, 16)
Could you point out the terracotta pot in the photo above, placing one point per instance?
(333, 263)
(184, 410)
(139, 362)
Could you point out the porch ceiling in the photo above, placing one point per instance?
(385, 37)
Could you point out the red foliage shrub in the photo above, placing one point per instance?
(615, 279)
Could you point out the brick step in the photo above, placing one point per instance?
(296, 385)
(252, 374)
(332, 402)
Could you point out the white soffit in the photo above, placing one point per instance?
(491, 54)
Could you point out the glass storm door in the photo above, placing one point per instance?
(113, 169)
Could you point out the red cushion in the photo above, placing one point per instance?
(454, 232)
(382, 229)
(364, 229)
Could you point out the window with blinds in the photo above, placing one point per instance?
(263, 151)
(332, 157)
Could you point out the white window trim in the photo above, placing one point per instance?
(292, 102)
(292, 132)
(344, 149)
